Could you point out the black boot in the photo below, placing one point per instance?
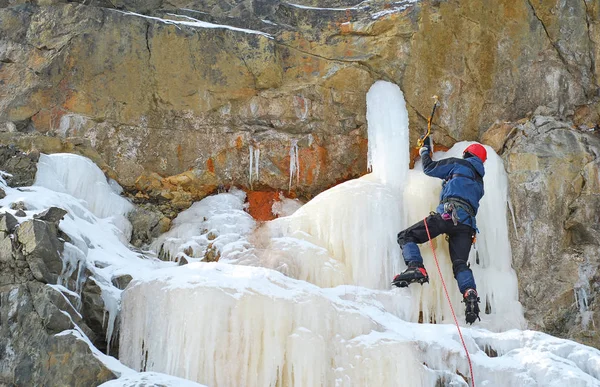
(415, 272)
(471, 306)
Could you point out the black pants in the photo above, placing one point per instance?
(460, 238)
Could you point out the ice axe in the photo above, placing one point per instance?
(421, 139)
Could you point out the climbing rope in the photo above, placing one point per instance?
(450, 303)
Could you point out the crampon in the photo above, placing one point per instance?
(414, 273)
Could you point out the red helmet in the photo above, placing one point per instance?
(477, 150)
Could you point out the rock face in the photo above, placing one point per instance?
(21, 167)
(176, 110)
(148, 223)
(41, 331)
(554, 188)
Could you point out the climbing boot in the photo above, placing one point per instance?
(415, 272)
(471, 306)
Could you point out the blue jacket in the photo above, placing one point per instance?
(463, 179)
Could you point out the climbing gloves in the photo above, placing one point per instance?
(426, 145)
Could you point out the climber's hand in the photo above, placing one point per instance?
(425, 141)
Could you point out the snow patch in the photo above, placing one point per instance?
(197, 23)
(144, 379)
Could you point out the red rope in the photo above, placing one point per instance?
(450, 303)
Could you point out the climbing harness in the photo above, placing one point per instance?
(450, 303)
(421, 140)
(451, 206)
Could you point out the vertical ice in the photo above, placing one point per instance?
(254, 160)
(294, 163)
(387, 117)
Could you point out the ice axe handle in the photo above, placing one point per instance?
(421, 140)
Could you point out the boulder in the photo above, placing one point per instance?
(41, 248)
(8, 223)
(147, 223)
(121, 281)
(18, 206)
(52, 215)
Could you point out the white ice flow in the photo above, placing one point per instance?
(326, 315)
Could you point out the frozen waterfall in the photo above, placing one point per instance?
(320, 312)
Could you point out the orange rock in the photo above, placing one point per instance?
(312, 161)
(260, 204)
(210, 165)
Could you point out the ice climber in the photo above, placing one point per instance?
(462, 188)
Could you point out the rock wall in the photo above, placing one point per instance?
(175, 109)
(554, 185)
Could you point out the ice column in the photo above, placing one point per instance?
(387, 117)
(294, 163)
(254, 159)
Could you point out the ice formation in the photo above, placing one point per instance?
(256, 327)
(80, 177)
(215, 221)
(294, 163)
(254, 160)
(285, 206)
(387, 117)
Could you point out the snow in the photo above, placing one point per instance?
(144, 379)
(216, 220)
(358, 6)
(285, 206)
(398, 6)
(196, 23)
(81, 178)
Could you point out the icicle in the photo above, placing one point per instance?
(294, 164)
(251, 151)
(581, 290)
(254, 161)
(112, 306)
